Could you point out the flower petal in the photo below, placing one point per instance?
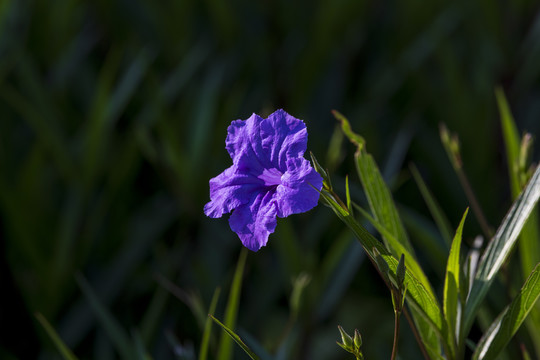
(296, 194)
(229, 190)
(283, 136)
(255, 221)
(245, 145)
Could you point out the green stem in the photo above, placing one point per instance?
(416, 334)
(486, 229)
(231, 311)
(407, 315)
(396, 334)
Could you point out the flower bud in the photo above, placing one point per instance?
(357, 339)
(346, 339)
(400, 271)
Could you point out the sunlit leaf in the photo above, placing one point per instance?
(500, 246)
(225, 345)
(438, 215)
(53, 335)
(509, 321)
(453, 284)
(205, 342)
(236, 338)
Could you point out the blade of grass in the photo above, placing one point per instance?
(528, 244)
(426, 310)
(452, 148)
(205, 342)
(426, 237)
(146, 224)
(114, 331)
(188, 67)
(421, 320)
(152, 315)
(499, 248)
(411, 264)
(127, 85)
(109, 102)
(377, 193)
(53, 335)
(138, 347)
(51, 138)
(225, 345)
(236, 338)
(435, 209)
(338, 271)
(256, 346)
(453, 286)
(511, 141)
(203, 117)
(509, 321)
(192, 301)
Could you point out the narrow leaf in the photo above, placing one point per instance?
(410, 262)
(60, 345)
(346, 128)
(114, 331)
(348, 194)
(381, 203)
(426, 310)
(511, 140)
(500, 246)
(231, 311)
(205, 342)
(236, 338)
(508, 322)
(528, 244)
(453, 285)
(434, 208)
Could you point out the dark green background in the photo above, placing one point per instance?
(113, 116)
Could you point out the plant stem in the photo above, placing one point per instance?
(469, 193)
(396, 334)
(416, 335)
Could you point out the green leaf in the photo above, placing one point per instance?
(434, 208)
(511, 140)
(453, 285)
(508, 322)
(62, 348)
(139, 348)
(231, 311)
(424, 306)
(427, 314)
(426, 237)
(348, 194)
(500, 246)
(205, 342)
(528, 244)
(382, 205)
(346, 128)
(410, 262)
(113, 329)
(236, 338)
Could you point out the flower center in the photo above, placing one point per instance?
(270, 177)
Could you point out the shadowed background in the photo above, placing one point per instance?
(113, 117)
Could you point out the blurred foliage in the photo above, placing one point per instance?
(113, 119)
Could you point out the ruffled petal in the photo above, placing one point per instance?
(283, 136)
(245, 145)
(269, 176)
(255, 221)
(229, 190)
(296, 194)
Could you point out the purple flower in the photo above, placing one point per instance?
(269, 176)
